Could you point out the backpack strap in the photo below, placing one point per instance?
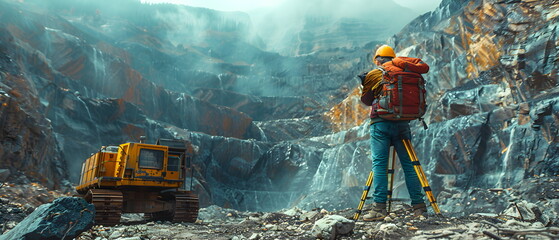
(384, 71)
(421, 96)
(384, 74)
(401, 94)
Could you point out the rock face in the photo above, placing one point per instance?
(69, 92)
(493, 88)
(65, 218)
(273, 131)
(85, 79)
(24, 129)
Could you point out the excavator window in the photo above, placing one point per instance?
(173, 164)
(150, 158)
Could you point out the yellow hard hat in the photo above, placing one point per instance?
(384, 51)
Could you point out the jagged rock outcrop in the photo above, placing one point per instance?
(491, 70)
(262, 108)
(24, 129)
(492, 89)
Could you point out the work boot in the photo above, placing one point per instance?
(377, 213)
(419, 210)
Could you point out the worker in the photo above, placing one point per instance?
(385, 133)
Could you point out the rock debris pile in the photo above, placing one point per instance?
(298, 224)
(527, 210)
(521, 218)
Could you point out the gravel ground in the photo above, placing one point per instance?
(531, 214)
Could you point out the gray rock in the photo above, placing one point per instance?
(116, 234)
(254, 236)
(332, 226)
(388, 228)
(105, 234)
(65, 218)
(11, 225)
(132, 217)
(308, 215)
(295, 211)
(537, 113)
(521, 210)
(129, 238)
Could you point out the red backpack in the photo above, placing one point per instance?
(403, 90)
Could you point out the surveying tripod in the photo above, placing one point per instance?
(391, 162)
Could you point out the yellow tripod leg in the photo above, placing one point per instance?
(421, 175)
(364, 196)
(390, 175)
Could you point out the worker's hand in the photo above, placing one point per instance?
(362, 77)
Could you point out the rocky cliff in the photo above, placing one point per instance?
(273, 131)
(79, 75)
(494, 90)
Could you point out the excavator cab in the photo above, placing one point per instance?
(140, 178)
(179, 158)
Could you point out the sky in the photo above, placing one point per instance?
(420, 6)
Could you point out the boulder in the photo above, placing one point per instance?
(522, 210)
(294, 211)
(332, 226)
(65, 218)
(308, 216)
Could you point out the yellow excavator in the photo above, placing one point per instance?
(140, 178)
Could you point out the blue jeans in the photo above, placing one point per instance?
(384, 134)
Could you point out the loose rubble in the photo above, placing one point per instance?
(505, 213)
(527, 211)
(220, 223)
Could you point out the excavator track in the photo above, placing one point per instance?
(186, 207)
(108, 205)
